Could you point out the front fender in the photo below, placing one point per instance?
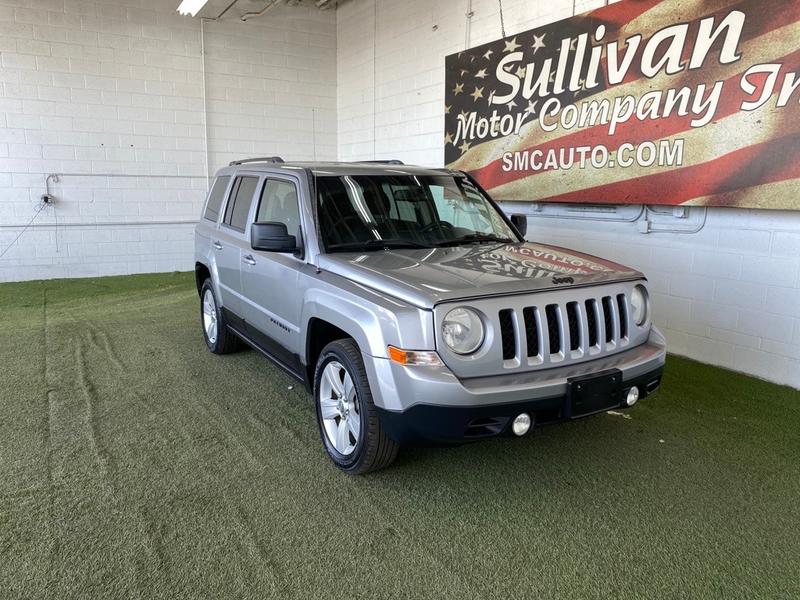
(373, 320)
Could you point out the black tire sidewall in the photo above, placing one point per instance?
(350, 461)
(208, 287)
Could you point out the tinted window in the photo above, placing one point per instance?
(279, 205)
(239, 205)
(215, 198)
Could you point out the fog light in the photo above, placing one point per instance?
(633, 396)
(521, 424)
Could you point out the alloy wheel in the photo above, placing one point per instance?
(339, 408)
(210, 317)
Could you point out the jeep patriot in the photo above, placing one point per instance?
(413, 308)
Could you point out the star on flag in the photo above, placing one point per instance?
(512, 45)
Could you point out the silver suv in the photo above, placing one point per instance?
(412, 308)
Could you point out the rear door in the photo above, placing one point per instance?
(269, 279)
(206, 228)
(230, 241)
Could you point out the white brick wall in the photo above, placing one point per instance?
(728, 295)
(115, 87)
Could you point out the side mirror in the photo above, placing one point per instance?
(272, 237)
(521, 223)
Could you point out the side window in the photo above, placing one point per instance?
(279, 204)
(239, 205)
(215, 198)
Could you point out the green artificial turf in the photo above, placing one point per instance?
(135, 464)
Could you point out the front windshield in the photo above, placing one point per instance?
(362, 212)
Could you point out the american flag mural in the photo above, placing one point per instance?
(693, 102)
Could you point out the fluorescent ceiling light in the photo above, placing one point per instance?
(191, 7)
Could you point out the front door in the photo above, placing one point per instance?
(269, 280)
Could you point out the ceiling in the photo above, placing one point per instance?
(216, 7)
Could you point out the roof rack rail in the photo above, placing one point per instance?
(266, 159)
(390, 161)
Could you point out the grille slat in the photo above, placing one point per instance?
(553, 328)
(574, 326)
(531, 331)
(591, 321)
(623, 316)
(608, 319)
(507, 333)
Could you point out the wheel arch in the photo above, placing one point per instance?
(319, 333)
(201, 273)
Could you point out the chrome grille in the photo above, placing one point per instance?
(555, 328)
(573, 329)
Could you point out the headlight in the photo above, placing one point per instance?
(462, 330)
(639, 305)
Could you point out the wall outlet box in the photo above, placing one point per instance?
(644, 226)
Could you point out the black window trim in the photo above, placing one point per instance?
(297, 185)
(223, 203)
(266, 179)
(237, 182)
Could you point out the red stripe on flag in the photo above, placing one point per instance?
(769, 162)
(616, 16)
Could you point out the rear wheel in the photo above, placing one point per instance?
(349, 425)
(219, 339)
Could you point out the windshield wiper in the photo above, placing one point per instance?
(378, 244)
(475, 238)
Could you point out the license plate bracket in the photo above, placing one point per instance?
(593, 393)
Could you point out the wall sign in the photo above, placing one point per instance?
(639, 102)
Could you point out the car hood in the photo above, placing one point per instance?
(426, 277)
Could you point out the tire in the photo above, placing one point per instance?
(219, 339)
(371, 449)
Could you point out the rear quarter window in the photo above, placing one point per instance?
(239, 205)
(215, 198)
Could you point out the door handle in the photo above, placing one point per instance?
(249, 259)
(217, 245)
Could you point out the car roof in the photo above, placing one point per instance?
(339, 168)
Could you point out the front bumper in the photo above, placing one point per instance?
(430, 404)
(425, 423)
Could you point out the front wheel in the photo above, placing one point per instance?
(349, 425)
(219, 339)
